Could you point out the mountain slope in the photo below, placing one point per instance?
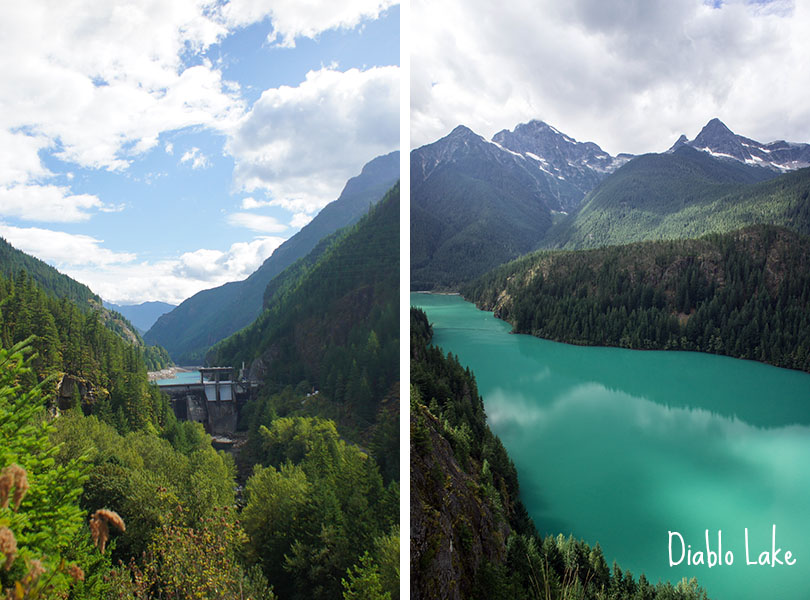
(49, 279)
(143, 315)
(719, 141)
(334, 321)
(476, 204)
(45, 278)
(684, 194)
(211, 315)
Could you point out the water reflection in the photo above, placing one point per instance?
(623, 446)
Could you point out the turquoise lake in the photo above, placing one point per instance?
(622, 447)
(182, 377)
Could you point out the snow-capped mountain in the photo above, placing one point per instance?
(719, 141)
(562, 169)
(477, 203)
(582, 164)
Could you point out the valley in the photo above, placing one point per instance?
(315, 423)
(690, 254)
(621, 446)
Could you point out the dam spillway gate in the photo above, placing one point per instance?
(215, 401)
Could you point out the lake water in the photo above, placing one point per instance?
(183, 377)
(622, 447)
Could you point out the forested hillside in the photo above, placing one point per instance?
(473, 207)
(117, 499)
(209, 316)
(331, 320)
(685, 194)
(12, 261)
(744, 294)
(17, 264)
(91, 366)
(470, 534)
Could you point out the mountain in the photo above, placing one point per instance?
(143, 315)
(684, 194)
(334, 321)
(744, 294)
(211, 315)
(12, 261)
(572, 168)
(719, 141)
(477, 203)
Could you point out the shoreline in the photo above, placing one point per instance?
(169, 373)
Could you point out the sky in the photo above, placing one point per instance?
(152, 149)
(630, 75)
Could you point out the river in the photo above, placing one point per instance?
(623, 447)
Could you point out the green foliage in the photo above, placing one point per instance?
(363, 581)
(45, 520)
(450, 393)
(192, 563)
(75, 346)
(57, 285)
(212, 315)
(561, 568)
(334, 322)
(744, 294)
(143, 478)
(315, 508)
(685, 194)
(156, 358)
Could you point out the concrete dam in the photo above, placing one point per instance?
(214, 401)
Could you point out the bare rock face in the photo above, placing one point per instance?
(453, 527)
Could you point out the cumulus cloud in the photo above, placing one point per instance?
(260, 223)
(63, 249)
(251, 203)
(300, 219)
(97, 88)
(197, 159)
(300, 144)
(294, 18)
(120, 277)
(49, 203)
(631, 76)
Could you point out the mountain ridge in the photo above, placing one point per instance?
(476, 203)
(721, 142)
(212, 315)
(142, 315)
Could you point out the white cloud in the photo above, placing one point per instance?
(101, 80)
(630, 76)
(63, 249)
(169, 148)
(260, 223)
(119, 276)
(197, 159)
(19, 157)
(301, 144)
(297, 18)
(242, 259)
(49, 203)
(300, 219)
(251, 203)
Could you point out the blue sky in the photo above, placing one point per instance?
(156, 149)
